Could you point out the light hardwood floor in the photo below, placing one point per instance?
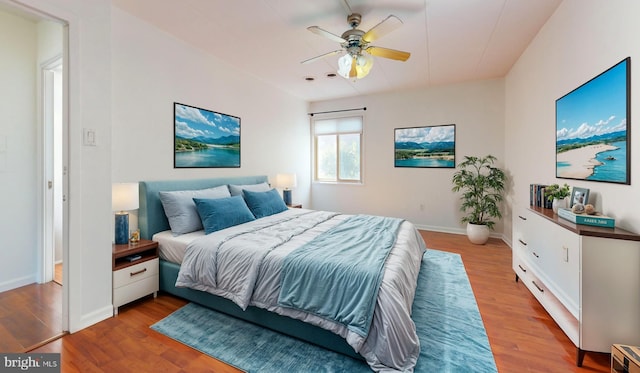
(523, 337)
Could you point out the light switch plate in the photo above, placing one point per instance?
(88, 137)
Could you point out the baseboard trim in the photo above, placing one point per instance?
(461, 231)
(17, 283)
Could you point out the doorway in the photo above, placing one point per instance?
(52, 120)
(35, 308)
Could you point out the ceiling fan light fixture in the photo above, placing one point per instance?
(363, 61)
(364, 64)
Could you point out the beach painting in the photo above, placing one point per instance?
(431, 146)
(204, 138)
(592, 129)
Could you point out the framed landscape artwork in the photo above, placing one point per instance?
(592, 128)
(204, 138)
(430, 146)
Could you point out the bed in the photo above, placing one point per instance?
(154, 224)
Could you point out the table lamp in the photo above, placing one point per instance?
(124, 197)
(286, 182)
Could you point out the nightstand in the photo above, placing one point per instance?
(133, 279)
(295, 206)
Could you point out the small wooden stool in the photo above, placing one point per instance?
(625, 359)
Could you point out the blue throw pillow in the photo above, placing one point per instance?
(264, 204)
(221, 213)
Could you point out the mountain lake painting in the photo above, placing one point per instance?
(204, 138)
(432, 146)
(592, 141)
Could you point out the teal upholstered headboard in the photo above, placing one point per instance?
(151, 217)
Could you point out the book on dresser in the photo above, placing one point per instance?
(594, 220)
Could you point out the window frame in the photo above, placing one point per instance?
(337, 133)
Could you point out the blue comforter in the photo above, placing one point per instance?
(337, 275)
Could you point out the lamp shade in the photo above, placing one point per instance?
(286, 181)
(124, 196)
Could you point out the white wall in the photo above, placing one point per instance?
(477, 110)
(582, 39)
(18, 162)
(153, 69)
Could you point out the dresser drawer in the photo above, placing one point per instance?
(138, 272)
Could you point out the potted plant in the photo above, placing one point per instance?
(557, 195)
(482, 185)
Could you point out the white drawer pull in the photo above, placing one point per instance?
(137, 273)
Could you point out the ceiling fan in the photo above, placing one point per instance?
(357, 61)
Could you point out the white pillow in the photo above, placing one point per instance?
(181, 210)
(236, 190)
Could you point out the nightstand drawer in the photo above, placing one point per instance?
(138, 272)
(135, 290)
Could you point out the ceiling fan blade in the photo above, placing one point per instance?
(388, 53)
(381, 29)
(313, 59)
(353, 73)
(322, 32)
(347, 7)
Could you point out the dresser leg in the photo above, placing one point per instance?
(517, 277)
(579, 356)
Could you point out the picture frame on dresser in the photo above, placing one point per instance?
(204, 138)
(579, 196)
(593, 128)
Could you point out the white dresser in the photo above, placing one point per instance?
(587, 278)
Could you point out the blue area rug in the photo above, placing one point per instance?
(452, 335)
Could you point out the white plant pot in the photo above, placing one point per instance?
(478, 233)
(558, 203)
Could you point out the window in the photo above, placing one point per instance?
(338, 149)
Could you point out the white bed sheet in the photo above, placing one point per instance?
(172, 247)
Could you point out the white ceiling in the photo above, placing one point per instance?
(450, 41)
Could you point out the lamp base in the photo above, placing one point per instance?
(122, 228)
(286, 196)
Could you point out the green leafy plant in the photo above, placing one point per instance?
(482, 185)
(556, 191)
